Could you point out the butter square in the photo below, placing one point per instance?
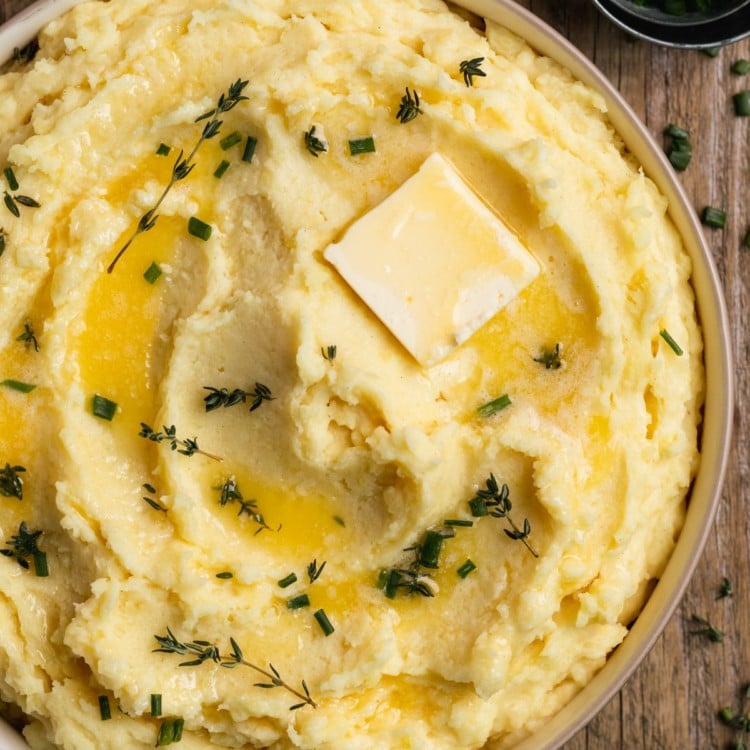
(433, 261)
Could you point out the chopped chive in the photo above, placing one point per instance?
(362, 146)
(673, 345)
(225, 575)
(711, 51)
(163, 150)
(40, 564)
(170, 731)
(221, 169)
(478, 507)
(155, 704)
(104, 709)
(11, 178)
(288, 580)
(249, 151)
(740, 67)
(152, 273)
(494, 406)
(714, 217)
(429, 551)
(466, 568)
(324, 622)
(103, 408)
(458, 522)
(231, 140)
(742, 103)
(199, 228)
(675, 131)
(679, 159)
(299, 601)
(18, 385)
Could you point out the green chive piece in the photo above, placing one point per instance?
(170, 731)
(429, 551)
(393, 579)
(679, 159)
(40, 564)
(478, 507)
(163, 150)
(673, 345)
(155, 704)
(18, 385)
(231, 140)
(362, 146)
(11, 178)
(324, 622)
(675, 131)
(458, 522)
(104, 709)
(711, 51)
(466, 568)
(249, 151)
(221, 169)
(714, 217)
(740, 67)
(288, 580)
(225, 575)
(494, 406)
(742, 103)
(298, 602)
(199, 228)
(152, 273)
(103, 408)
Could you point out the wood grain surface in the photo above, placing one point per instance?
(671, 701)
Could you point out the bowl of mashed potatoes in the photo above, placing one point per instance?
(365, 378)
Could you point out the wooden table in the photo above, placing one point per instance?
(672, 700)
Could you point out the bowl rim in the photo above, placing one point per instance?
(717, 425)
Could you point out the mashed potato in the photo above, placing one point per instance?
(306, 533)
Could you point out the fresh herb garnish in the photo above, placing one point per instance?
(287, 581)
(152, 501)
(12, 202)
(28, 336)
(198, 228)
(495, 501)
(103, 407)
(18, 385)
(409, 107)
(183, 166)
(466, 568)
(220, 171)
(152, 273)
(105, 713)
(170, 731)
(10, 178)
(714, 217)
(494, 406)
(203, 651)
(22, 546)
(471, 68)
(231, 140)
(249, 150)
(26, 53)
(298, 602)
(707, 629)
(329, 353)
(673, 345)
(230, 493)
(679, 148)
(550, 358)
(740, 67)
(726, 589)
(314, 144)
(225, 575)
(325, 624)
(741, 102)
(163, 150)
(218, 397)
(187, 446)
(411, 581)
(313, 571)
(11, 485)
(359, 146)
(738, 720)
(155, 704)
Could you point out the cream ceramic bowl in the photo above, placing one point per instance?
(717, 423)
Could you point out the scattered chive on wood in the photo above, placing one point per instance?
(673, 345)
(11, 178)
(220, 171)
(324, 622)
(679, 149)
(18, 385)
(359, 146)
(170, 731)
(103, 408)
(711, 51)
(152, 273)
(740, 67)
(705, 628)
(741, 102)
(494, 406)
(714, 217)
(298, 602)
(163, 150)
(155, 704)
(287, 580)
(249, 150)
(104, 710)
(466, 568)
(231, 140)
(199, 228)
(726, 589)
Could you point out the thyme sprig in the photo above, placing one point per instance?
(184, 165)
(409, 107)
(314, 570)
(14, 200)
(471, 68)
(230, 493)
(22, 546)
(152, 501)
(218, 397)
(11, 484)
(329, 353)
(202, 651)
(185, 446)
(495, 501)
(313, 144)
(28, 336)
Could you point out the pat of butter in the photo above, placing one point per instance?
(433, 261)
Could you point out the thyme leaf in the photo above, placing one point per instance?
(184, 165)
(471, 68)
(202, 651)
(409, 107)
(230, 493)
(313, 571)
(11, 485)
(28, 336)
(329, 353)
(22, 546)
(313, 144)
(223, 397)
(550, 358)
(185, 446)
